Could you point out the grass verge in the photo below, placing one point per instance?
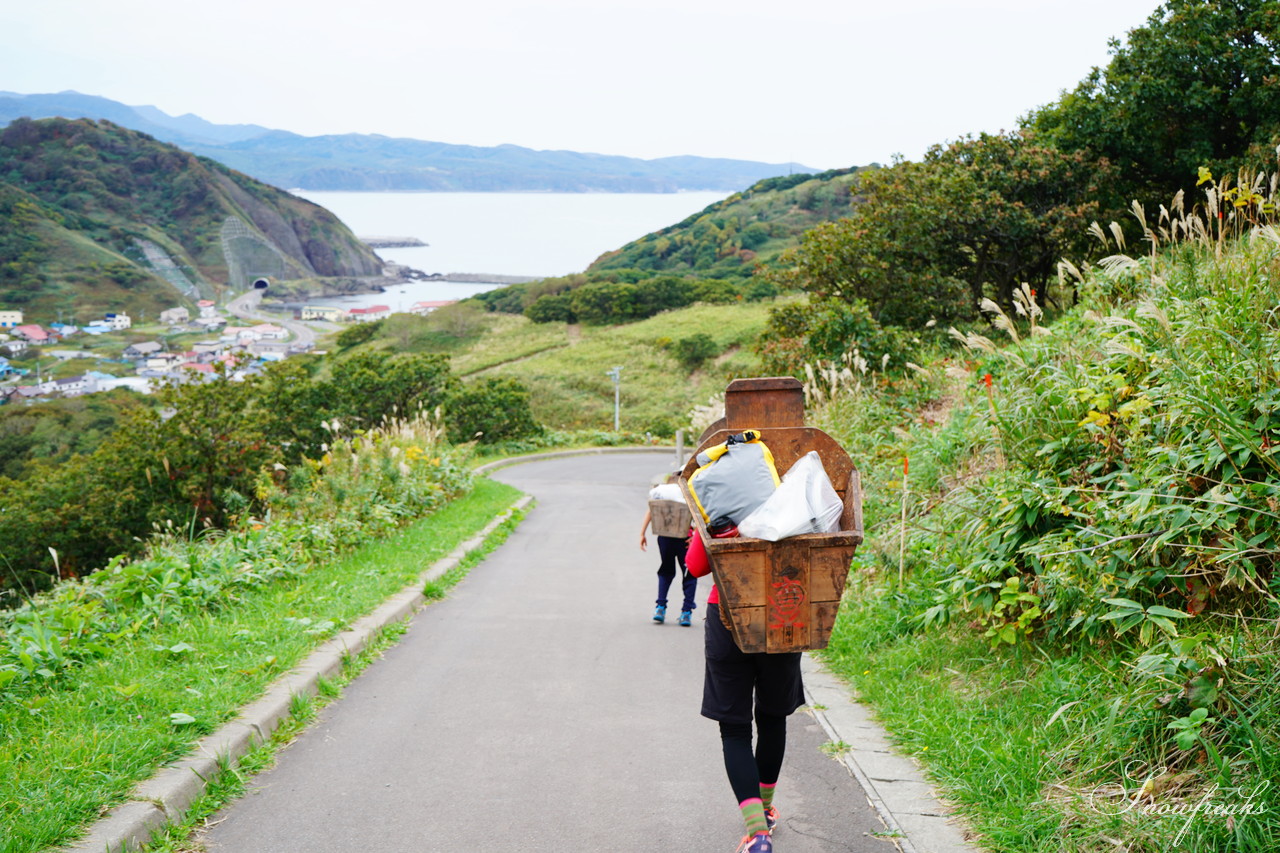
(232, 781)
(67, 756)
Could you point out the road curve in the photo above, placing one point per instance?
(245, 306)
(539, 708)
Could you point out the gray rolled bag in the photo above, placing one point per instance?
(733, 479)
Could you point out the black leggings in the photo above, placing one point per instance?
(747, 771)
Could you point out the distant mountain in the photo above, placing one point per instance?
(183, 130)
(373, 162)
(94, 216)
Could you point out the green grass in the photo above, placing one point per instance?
(230, 784)
(66, 754)
(1036, 746)
(565, 365)
(510, 338)
(571, 390)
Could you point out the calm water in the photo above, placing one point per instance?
(533, 234)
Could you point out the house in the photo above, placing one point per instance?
(68, 354)
(209, 323)
(208, 309)
(118, 321)
(32, 334)
(14, 346)
(9, 319)
(97, 327)
(163, 361)
(368, 315)
(270, 350)
(204, 349)
(63, 330)
(429, 305)
(175, 316)
(238, 335)
(133, 383)
(270, 331)
(72, 386)
(142, 350)
(5, 367)
(332, 313)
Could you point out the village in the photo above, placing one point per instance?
(38, 361)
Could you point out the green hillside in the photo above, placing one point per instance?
(670, 363)
(79, 201)
(710, 257)
(731, 237)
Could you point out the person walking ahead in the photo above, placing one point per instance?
(671, 552)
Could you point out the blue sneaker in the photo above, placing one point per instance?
(771, 818)
(660, 613)
(686, 618)
(758, 843)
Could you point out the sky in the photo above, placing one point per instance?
(822, 83)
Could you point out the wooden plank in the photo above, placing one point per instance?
(670, 518)
(824, 619)
(828, 570)
(770, 401)
(743, 580)
(749, 629)
(788, 620)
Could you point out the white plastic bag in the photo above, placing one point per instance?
(806, 502)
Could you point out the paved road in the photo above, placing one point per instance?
(539, 708)
(245, 306)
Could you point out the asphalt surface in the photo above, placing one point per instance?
(245, 306)
(539, 708)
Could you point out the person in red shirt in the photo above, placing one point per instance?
(736, 687)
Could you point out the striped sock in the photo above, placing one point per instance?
(753, 814)
(766, 794)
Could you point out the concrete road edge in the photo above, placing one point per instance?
(914, 817)
(164, 798)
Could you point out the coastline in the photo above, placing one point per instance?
(399, 287)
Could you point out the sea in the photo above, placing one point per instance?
(502, 234)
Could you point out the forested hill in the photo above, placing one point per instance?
(78, 200)
(730, 238)
(361, 161)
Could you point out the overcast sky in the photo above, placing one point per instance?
(817, 82)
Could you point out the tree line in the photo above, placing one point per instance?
(197, 455)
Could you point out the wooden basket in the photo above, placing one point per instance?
(670, 518)
(781, 596)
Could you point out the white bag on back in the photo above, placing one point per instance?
(806, 502)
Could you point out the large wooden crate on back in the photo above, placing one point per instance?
(781, 596)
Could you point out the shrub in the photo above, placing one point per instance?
(358, 334)
(692, 351)
(491, 410)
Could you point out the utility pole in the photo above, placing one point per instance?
(616, 376)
